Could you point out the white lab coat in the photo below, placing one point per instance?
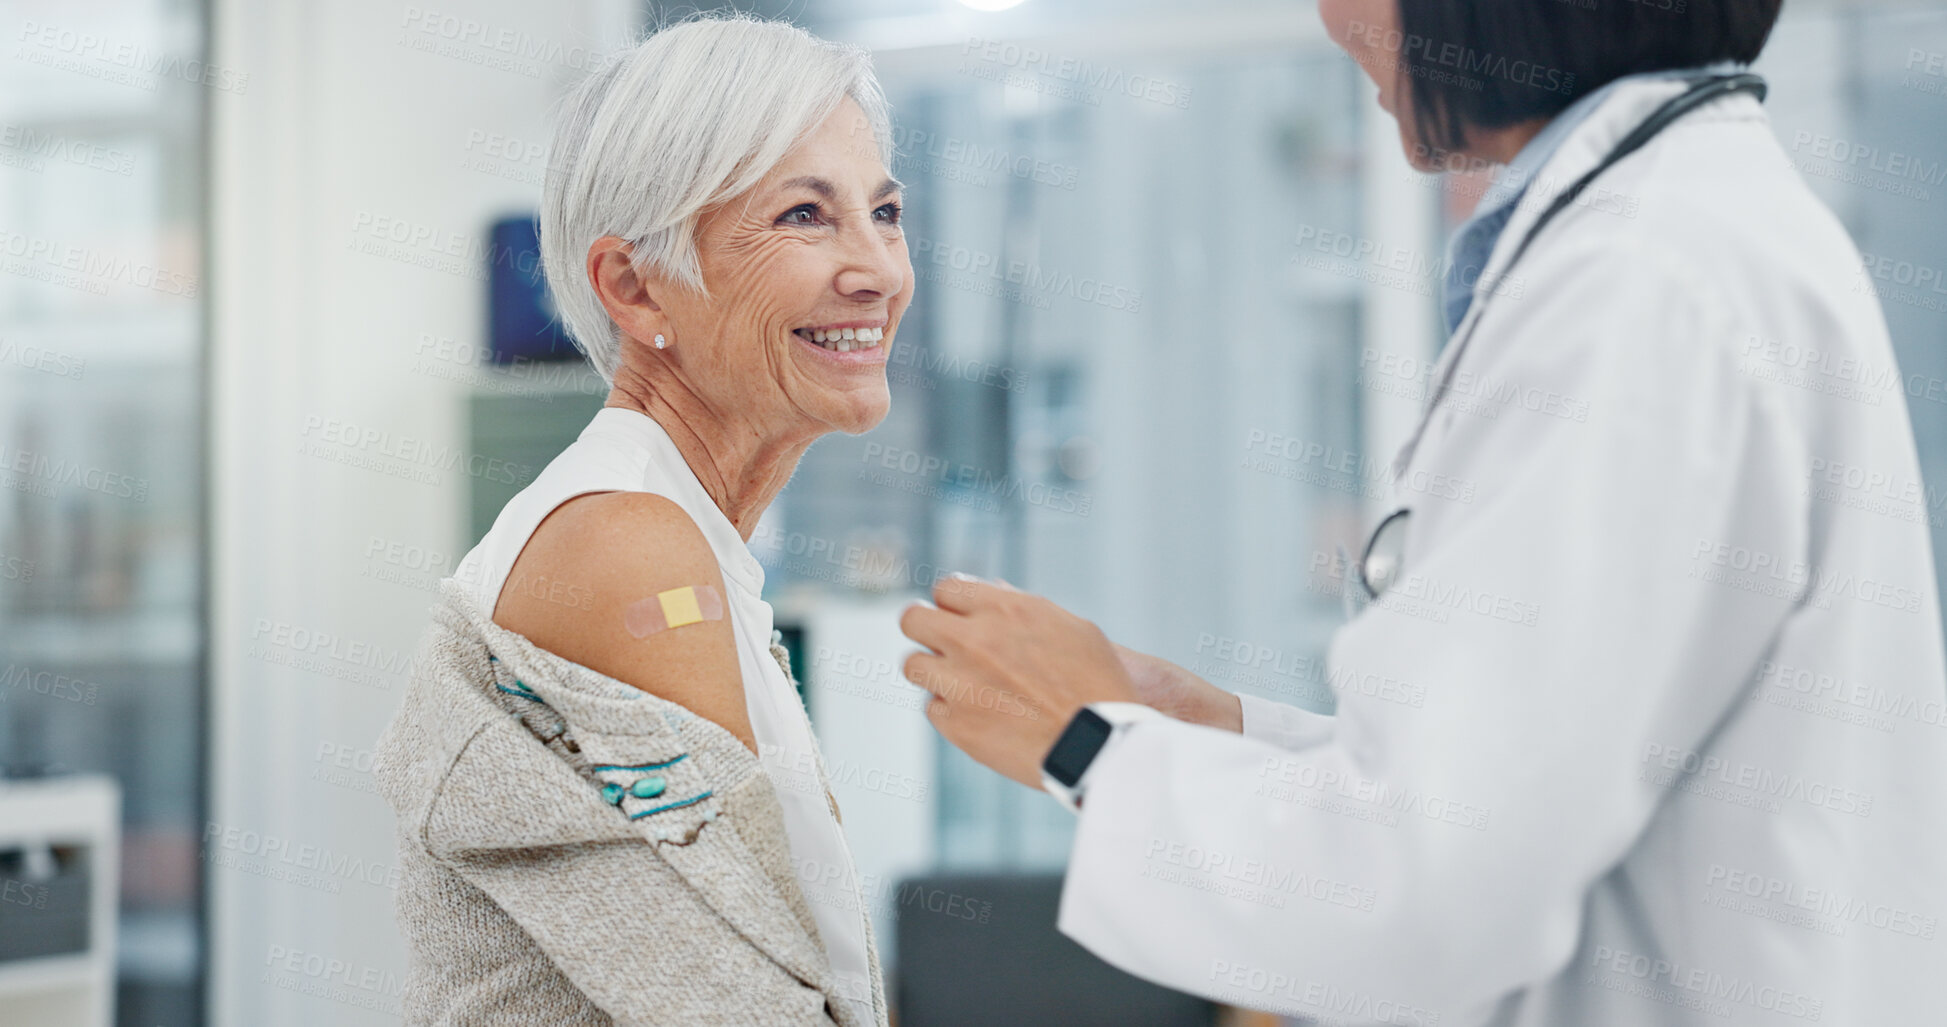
(1682, 754)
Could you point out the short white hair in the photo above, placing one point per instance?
(691, 116)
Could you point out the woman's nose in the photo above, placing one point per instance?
(872, 264)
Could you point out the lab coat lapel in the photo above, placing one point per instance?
(1580, 151)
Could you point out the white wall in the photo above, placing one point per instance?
(345, 120)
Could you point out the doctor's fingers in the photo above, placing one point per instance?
(937, 630)
(929, 671)
(964, 593)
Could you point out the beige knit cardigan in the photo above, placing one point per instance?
(528, 896)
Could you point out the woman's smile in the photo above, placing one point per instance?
(849, 342)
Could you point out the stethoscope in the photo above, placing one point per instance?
(1379, 566)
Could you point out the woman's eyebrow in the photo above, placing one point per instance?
(825, 189)
(813, 183)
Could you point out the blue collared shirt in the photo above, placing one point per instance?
(1474, 242)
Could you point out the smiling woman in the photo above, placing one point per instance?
(723, 241)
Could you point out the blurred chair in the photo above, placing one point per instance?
(982, 949)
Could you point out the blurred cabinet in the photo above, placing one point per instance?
(59, 853)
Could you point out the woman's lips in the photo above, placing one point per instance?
(857, 352)
(842, 338)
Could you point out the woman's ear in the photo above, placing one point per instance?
(625, 293)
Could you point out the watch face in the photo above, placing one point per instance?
(1076, 747)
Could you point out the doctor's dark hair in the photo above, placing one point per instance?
(1493, 63)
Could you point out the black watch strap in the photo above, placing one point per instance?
(1085, 735)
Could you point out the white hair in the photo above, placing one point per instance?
(692, 115)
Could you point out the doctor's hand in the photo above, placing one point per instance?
(1007, 671)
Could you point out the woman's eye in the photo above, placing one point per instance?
(888, 214)
(802, 214)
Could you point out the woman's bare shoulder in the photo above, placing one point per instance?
(595, 557)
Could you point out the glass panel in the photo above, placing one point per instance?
(1112, 323)
(1859, 102)
(101, 478)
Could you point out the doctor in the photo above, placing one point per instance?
(1682, 756)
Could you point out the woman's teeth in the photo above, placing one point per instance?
(844, 340)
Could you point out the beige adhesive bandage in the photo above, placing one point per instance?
(690, 604)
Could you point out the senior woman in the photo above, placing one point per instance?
(611, 806)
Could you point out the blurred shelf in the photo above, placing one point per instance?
(94, 639)
(53, 973)
(103, 337)
(159, 946)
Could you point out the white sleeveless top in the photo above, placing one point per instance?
(625, 450)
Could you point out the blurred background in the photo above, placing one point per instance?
(268, 369)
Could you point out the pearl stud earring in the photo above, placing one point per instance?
(661, 343)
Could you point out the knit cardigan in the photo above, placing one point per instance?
(576, 851)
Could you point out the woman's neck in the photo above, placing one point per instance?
(1502, 145)
(741, 466)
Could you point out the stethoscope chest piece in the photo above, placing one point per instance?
(1380, 565)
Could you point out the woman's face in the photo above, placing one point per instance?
(1368, 31)
(816, 246)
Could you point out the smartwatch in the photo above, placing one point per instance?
(1064, 770)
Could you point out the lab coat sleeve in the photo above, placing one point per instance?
(1568, 635)
(1283, 725)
